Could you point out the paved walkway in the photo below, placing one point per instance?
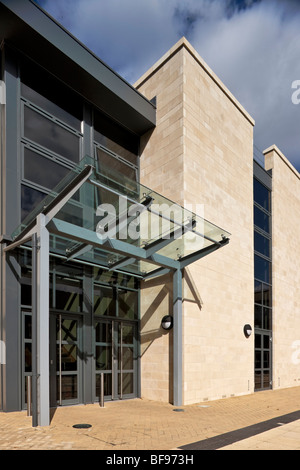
(264, 420)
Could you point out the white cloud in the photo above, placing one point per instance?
(253, 46)
(256, 53)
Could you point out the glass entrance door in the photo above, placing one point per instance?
(263, 360)
(65, 364)
(116, 358)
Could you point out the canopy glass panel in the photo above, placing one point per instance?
(113, 221)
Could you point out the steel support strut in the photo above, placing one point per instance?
(177, 338)
(42, 309)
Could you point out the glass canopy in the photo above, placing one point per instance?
(99, 216)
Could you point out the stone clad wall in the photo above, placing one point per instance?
(201, 153)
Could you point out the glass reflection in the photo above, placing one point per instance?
(42, 170)
(262, 195)
(257, 316)
(50, 135)
(128, 304)
(262, 269)
(261, 220)
(30, 198)
(261, 244)
(104, 301)
(68, 295)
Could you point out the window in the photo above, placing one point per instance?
(51, 95)
(262, 287)
(262, 195)
(50, 135)
(262, 244)
(128, 304)
(116, 167)
(116, 138)
(68, 294)
(262, 269)
(261, 220)
(104, 301)
(30, 198)
(41, 170)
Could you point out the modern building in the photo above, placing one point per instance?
(144, 252)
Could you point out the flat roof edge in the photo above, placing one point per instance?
(184, 43)
(60, 40)
(274, 148)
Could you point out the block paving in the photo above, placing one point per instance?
(141, 424)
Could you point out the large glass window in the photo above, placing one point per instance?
(116, 138)
(262, 286)
(51, 95)
(262, 195)
(128, 304)
(261, 219)
(262, 244)
(51, 125)
(41, 170)
(262, 269)
(68, 294)
(104, 301)
(115, 165)
(50, 135)
(30, 198)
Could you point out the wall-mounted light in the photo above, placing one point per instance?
(247, 330)
(167, 322)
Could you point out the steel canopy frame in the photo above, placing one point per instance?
(39, 232)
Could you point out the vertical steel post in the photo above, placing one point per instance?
(177, 338)
(28, 395)
(43, 321)
(34, 396)
(121, 361)
(102, 389)
(112, 360)
(60, 359)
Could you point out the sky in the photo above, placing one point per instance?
(253, 46)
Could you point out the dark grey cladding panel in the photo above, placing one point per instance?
(261, 174)
(27, 27)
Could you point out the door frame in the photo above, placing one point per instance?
(262, 349)
(116, 358)
(55, 398)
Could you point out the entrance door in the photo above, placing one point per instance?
(116, 358)
(263, 360)
(65, 363)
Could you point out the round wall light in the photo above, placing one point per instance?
(247, 330)
(167, 322)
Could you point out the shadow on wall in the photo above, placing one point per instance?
(190, 290)
(156, 302)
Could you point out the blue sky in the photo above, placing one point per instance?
(252, 45)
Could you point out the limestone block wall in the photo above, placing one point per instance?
(218, 173)
(156, 343)
(201, 153)
(285, 268)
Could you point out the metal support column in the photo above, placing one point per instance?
(43, 321)
(34, 395)
(177, 338)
